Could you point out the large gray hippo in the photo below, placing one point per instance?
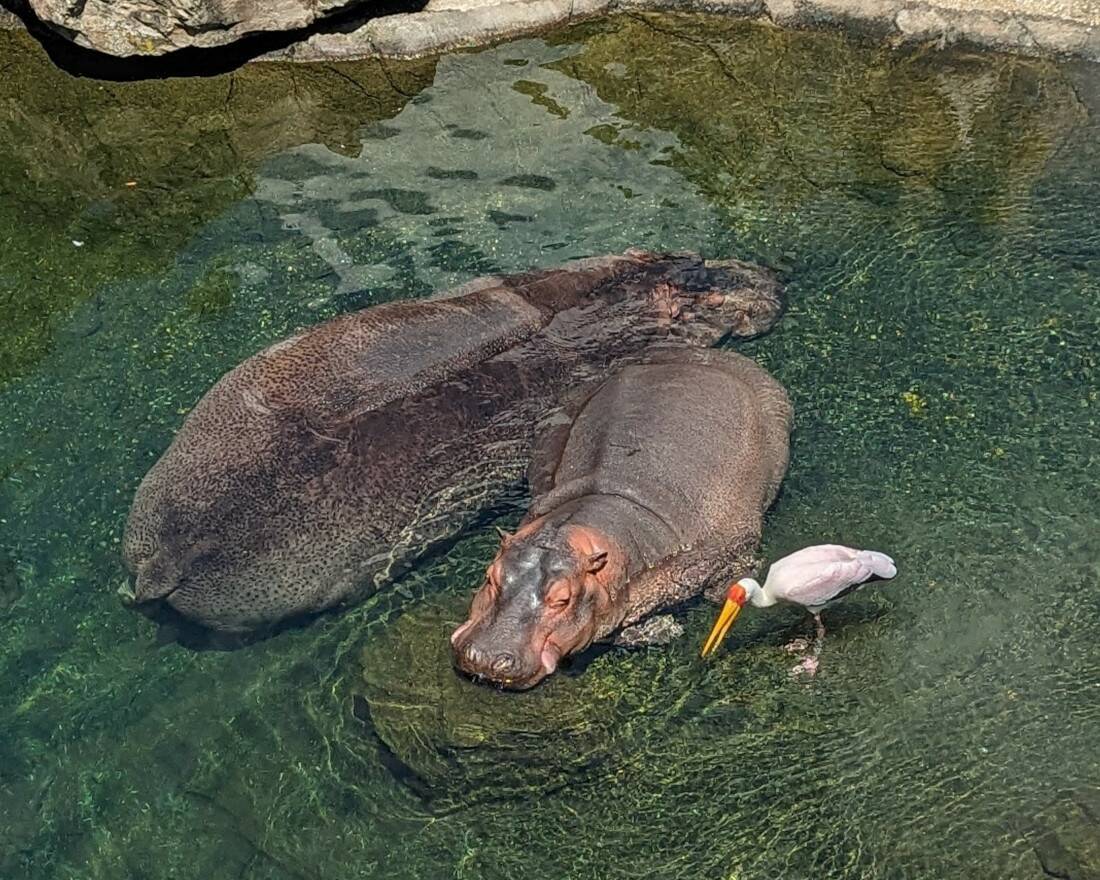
(652, 491)
(317, 468)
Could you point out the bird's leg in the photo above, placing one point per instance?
(808, 664)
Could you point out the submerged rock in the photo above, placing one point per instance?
(456, 739)
(1064, 835)
(135, 169)
(11, 586)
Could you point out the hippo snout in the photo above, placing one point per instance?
(488, 664)
(503, 667)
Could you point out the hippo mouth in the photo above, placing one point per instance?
(549, 656)
(147, 585)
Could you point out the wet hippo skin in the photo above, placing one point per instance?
(309, 474)
(651, 490)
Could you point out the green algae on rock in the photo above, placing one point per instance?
(467, 741)
(213, 293)
(816, 118)
(458, 743)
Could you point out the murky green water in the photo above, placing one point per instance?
(936, 218)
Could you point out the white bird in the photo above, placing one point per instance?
(812, 577)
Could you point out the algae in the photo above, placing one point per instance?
(772, 120)
(537, 92)
(212, 294)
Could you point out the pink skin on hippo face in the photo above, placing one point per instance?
(542, 600)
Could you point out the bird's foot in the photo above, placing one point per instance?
(807, 666)
(796, 646)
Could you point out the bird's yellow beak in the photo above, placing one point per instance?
(735, 601)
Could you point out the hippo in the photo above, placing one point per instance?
(651, 490)
(317, 470)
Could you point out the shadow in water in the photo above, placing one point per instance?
(175, 629)
(405, 775)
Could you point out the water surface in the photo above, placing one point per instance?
(934, 215)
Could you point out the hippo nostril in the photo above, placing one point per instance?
(503, 663)
(472, 654)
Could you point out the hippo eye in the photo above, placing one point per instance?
(558, 597)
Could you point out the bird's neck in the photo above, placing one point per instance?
(758, 595)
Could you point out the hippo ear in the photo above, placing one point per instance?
(597, 561)
(505, 536)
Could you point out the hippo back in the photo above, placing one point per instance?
(697, 438)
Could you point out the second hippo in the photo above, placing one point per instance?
(647, 492)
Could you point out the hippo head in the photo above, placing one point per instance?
(720, 298)
(546, 595)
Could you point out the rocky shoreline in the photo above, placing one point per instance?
(331, 30)
(1031, 27)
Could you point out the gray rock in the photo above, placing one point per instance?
(1034, 27)
(129, 28)
(154, 27)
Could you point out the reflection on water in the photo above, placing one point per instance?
(934, 215)
(103, 181)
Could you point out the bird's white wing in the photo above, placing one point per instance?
(813, 576)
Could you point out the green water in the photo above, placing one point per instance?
(935, 216)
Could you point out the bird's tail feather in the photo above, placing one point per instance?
(881, 565)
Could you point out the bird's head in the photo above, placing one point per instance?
(739, 593)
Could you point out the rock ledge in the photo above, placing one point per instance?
(156, 27)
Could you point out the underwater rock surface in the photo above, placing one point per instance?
(136, 168)
(455, 736)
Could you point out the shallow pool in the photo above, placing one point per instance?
(935, 217)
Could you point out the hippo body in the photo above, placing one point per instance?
(653, 492)
(316, 469)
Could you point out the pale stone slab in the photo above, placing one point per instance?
(154, 27)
